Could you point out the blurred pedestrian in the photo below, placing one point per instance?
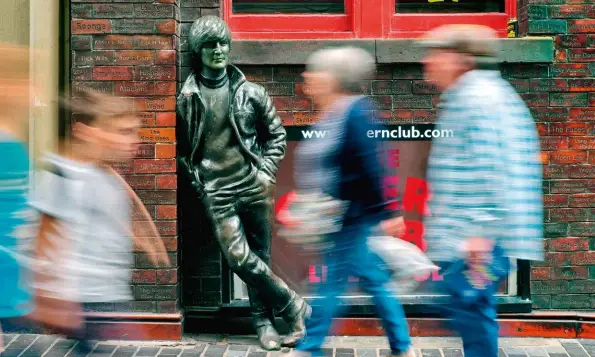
(85, 243)
(345, 165)
(485, 180)
(17, 219)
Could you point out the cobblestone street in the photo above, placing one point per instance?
(245, 346)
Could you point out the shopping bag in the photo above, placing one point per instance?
(405, 261)
(308, 218)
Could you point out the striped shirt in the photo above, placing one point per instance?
(486, 180)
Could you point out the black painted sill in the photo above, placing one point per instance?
(296, 52)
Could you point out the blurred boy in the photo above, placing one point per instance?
(86, 239)
(16, 216)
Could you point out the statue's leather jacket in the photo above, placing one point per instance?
(253, 117)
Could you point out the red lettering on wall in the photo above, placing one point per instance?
(414, 232)
(416, 196)
(391, 191)
(392, 157)
(312, 274)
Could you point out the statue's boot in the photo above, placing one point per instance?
(296, 315)
(268, 337)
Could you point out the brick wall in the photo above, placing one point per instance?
(563, 99)
(129, 48)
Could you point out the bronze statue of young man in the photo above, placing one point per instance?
(231, 141)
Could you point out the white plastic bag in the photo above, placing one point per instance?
(405, 260)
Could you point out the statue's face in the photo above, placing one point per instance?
(215, 55)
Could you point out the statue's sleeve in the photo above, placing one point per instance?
(274, 144)
(183, 142)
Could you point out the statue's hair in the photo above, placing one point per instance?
(350, 66)
(206, 29)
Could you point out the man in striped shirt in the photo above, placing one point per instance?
(486, 201)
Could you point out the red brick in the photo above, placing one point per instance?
(167, 228)
(569, 214)
(166, 119)
(568, 186)
(558, 259)
(545, 158)
(568, 12)
(286, 118)
(292, 103)
(549, 143)
(165, 88)
(582, 200)
(113, 11)
(383, 102)
(134, 57)
(554, 172)
(591, 158)
(571, 41)
(123, 168)
(569, 244)
(581, 171)
(144, 182)
(171, 244)
(80, 11)
(112, 73)
(143, 276)
(97, 87)
(520, 85)
(582, 229)
(548, 85)
(424, 116)
(570, 273)
(165, 151)
(167, 276)
(146, 151)
(570, 70)
(167, 182)
(581, 26)
(164, 104)
(153, 42)
(581, 85)
(540, 273)
(542, 129)
(82, 73)
(166, 57)
(305, 118)
(568, 129)
(144, 166)
(155, 73)
(146, 118)
(583, 258)
(93, 58)
(154, 11)
(133, 26)
(158, 197)
(167, 27)
(581, 114)
(568, 157)
(134, 89)
(138, 215)
(158, 135)
(569, 100)
(114, 42)
(561, 55)
(586, 143)
(550, 114)
(81, 43)
(167, 212)
(555, 200)
(536, 99)
(82, 27)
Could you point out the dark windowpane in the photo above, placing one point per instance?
(288, 6)
(448, 6)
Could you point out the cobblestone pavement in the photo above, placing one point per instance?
(245, 346)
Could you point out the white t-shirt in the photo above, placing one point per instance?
(92, 260)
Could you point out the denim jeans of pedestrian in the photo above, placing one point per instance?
(472, 311)
(352, 257)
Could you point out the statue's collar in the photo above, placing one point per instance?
(191, 85)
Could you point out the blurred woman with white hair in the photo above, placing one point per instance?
(345, 166)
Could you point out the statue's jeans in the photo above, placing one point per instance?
(242, 222)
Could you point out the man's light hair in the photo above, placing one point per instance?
(350, 66)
